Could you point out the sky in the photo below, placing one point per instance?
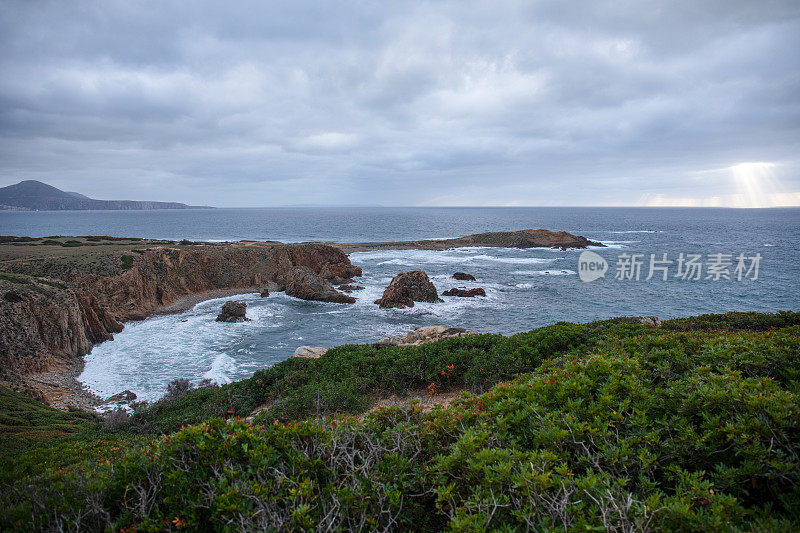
(400, 103)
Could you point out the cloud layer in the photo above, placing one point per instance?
(405, 103)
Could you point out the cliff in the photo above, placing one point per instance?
(54, 309)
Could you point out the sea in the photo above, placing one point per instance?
(714, 260)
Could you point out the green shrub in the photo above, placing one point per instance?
(612, 426)
(734, 321)
(127, 261)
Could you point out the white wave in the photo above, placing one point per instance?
(613, 244)
(221, 366)
(561, 272)
(524, 285)
(422, 257)
(637, 231)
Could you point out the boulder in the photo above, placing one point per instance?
(121, 398)
(264, 292)
(650, 321)
(304, 283)
(462, 276)
(423, 335)
(407, 288)
(350, 288)
(465, 293)
(233, 311)
(310, 352)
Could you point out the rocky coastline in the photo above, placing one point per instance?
(54, 308)
(61, 296)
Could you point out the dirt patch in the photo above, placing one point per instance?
(423, 398)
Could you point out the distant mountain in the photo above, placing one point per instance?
(31, 195)
(78, 195)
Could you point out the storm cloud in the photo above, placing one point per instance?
(404, 103)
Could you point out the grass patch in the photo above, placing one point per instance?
(14, 279)
(52, 283)
(127, 261)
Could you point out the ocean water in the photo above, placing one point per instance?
(525, 288)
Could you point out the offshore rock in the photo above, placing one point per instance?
(304, 283)
(465, 293)
(407, 288)
(233, 312)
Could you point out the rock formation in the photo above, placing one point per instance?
(350, 288)
(462, 276)
(465, 293)
(527, 238)
(304, 283)
(53, 309)
(233, 311)
(424, 335)
(310, 352)
(650, 321)
(264, 292)
(407, 288)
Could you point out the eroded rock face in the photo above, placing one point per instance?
(42, 325)
(465, 293)
(424, 335)
(233, 312)
(328, 262)
(304, 283)
(61, 309)
(407, 288)
(462, 276)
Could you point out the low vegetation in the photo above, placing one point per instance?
(613, 425)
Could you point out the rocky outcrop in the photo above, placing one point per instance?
(407, 288)
(53, 309)
(650, 321)
(44, 324)
(424, 335)
(233, 311)
(304, 283)
(462, 276)
(328, 262)
(527, 238)
(465, 293)
(310, 352)
(350, 288)
(264, 292)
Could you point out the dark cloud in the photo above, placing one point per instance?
(403, 103)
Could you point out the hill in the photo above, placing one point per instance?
(32, 195)
(616, 425)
